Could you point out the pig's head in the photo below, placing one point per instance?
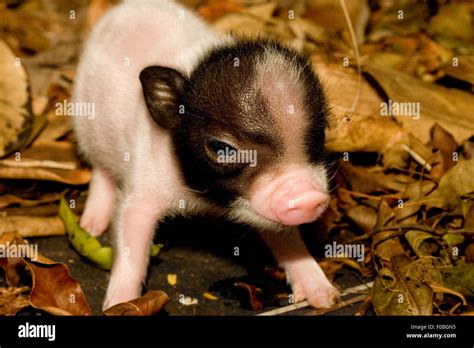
(248, 130)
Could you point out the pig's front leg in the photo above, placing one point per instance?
(100, 202)
(307, 279)
(133, 227)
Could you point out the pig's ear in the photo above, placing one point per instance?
(162, 88)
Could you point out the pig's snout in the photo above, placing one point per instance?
(291, 200)
(298, 203)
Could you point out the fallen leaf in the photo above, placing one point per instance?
(252, 291)
(13, 300)
(55, 291)
(365, 217)
(16, 118)
(460, 278)
(446, 145)
(32, 226)
(437, 104)
(149, 304)
(423, 243)
(7, 200)
(455, 184)
(400, 295)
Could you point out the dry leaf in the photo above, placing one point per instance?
(438, 104)
(16, 119)
(31, 226)
(252, 291)
(455, 184)
(149, 304)
(55, 291)
(397, 294)
(13, 300)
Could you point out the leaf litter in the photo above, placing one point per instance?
(402, 186)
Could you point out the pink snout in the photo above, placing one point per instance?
(297, 203)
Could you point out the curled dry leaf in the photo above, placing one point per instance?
(55, 291)
(149, 304)
(423, 243)
(13, 300)
(16, 118)
(252, 291)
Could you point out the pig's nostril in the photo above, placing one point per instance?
(306, 206)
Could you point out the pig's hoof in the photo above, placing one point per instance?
(116, 296)
(319, 296)
(95, 225)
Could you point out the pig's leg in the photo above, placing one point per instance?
(100, 203)
(133, 228)
(303, 272)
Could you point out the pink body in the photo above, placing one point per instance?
(124, 145)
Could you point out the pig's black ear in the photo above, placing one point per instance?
(162, 88)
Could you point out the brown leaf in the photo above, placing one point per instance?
(373, 179)
(58, 125)
(7, 200)
(12, 300)
(11, 265)
(438, 104)
(16, 118)
(275, 273)
(149, 304)
(252, 291)
(55, 291)
(365, 217)
(330, 268)
(444, 142)
(215, 9)
(463, 70)
(31, 226)
(469, 252)
(453, 186)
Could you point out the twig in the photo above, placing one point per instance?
(304, 304)
(417, 158)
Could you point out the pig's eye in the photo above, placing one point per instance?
(219, 151)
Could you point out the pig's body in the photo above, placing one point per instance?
(109, 79)
(166, 165)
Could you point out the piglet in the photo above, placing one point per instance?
(189, 122)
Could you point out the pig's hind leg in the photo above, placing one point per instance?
(307, 279)
(100, 203)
